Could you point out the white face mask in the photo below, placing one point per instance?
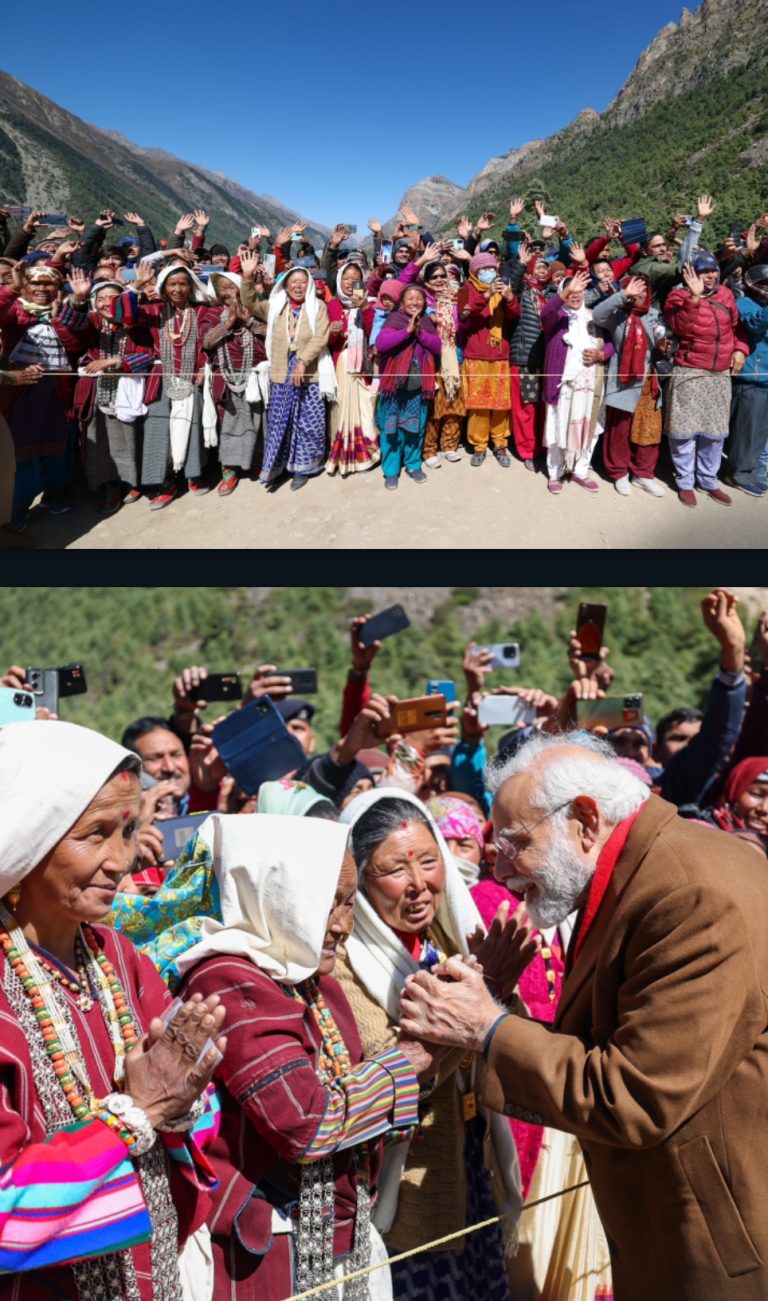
(487, 275)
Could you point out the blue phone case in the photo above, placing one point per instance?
(256, 746)
(440, 687)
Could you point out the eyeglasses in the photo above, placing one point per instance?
(509, 848)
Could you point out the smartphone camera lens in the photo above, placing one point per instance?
(22, 700)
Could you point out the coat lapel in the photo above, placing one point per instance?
(656, 814)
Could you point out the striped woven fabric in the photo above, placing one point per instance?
(187, 1148)
(75, 1194)
(360, 1105)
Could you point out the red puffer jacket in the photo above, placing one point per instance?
(706, 329)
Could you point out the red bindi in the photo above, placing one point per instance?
(124, 775)
(126, 815)
(404, 825)
(410, 853)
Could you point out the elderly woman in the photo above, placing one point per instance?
(36, 332)
(302, 1112)
(409, 343)
(447, 411)
(234, 342)
(109, 401)
(97, 1090)
(411, 910)
(354, 438)
(175, 440)
(300, 372)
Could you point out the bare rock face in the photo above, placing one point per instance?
(433, 199)
(716, 38)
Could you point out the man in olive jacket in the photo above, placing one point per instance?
(658, 1058)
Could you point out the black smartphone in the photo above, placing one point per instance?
(386, 624)
(71, 680)
(590, 626)
(303, 681)
(50, 685)
(218, 686)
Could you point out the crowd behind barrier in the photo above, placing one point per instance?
(149, 372)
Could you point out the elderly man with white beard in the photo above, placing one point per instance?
(658, 1058)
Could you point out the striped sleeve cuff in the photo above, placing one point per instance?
(406, 1109)
(373, 1098)
(139, 360)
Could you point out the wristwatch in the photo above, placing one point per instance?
(132, 1117)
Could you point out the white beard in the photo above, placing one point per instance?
(561, 883)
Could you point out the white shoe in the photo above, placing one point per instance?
(451, 456)
(433, 462)
(652, 486)
(622, 486)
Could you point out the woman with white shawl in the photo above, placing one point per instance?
(573, 384)
(301, 372)
(412, 909)
(234, 342)
(354, 437)
(302, 1114)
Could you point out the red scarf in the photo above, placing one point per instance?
(609, 857)
(633, 360)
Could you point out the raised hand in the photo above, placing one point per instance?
(485, 221)
(162, 1072)
(374, 226)
(201, 218)
(516, 206)
(752, 240)
(105, 219)
(32, 221)
(463, 227)
(578, 255)
(704, 206)
(76, 225)
(133, 218)
(299, 227)
(635, 289)
(693, 281)
(509, 946)
(81, 284)
(338, 235)
(186, 222)
(539, 206)
(408, 216)
(249, 262)
(283, 236)
(431, 252)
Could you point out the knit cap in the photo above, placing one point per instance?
(481, 260)
(390, 289)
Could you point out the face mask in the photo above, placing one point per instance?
(487, 275)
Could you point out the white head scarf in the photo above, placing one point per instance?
(232, 276)
(200, 292)
(277, 301)
(378, 958)
(277, 879)
(49, 773)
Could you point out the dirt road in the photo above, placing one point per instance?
(460, 507)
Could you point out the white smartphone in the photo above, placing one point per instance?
(268, 262)
(506, 655)
(505, 711)
(16, 706)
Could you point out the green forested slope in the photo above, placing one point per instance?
(133, 641)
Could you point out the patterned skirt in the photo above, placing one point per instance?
(477, 1270)
(487, 385)
(295, 429)
(156, 457)
(698, 402)
(353, 433)
(240, 427)
(401, 411)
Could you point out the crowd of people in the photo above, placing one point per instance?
(226, 1074)
(149, 372)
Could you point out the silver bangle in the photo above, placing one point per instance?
(182, 1124)
(134, 1118)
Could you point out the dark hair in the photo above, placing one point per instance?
(323, 810)
(142, 727)
(114, 250)
(378, 822)
(682, 715)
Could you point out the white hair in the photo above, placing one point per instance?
(561, 777)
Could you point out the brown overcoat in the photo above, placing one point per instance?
(658, 1062)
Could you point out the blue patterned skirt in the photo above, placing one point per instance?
(295, 438)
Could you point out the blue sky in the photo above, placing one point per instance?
(336, 109)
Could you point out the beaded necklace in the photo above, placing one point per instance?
(181, 335)
(80, 987)
(178, 383)
(334, 1060)
(59, 1041)
(546, 953)
(237, 379)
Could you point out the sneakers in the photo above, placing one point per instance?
(299, 481)
(555, 486)
(503, 457)
(433, 462)
(622, 486)
(591, 485)
(652, 486)
(418, 476)
(717, 494)
(687, 496)
(229, 482)
(450, 456)
(391, 482)
(477, 458)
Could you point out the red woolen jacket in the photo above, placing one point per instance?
(476, 328)
(706, 328)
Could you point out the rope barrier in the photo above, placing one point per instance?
(183, 374)
(428, 1246)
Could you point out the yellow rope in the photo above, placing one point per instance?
(428, 1246)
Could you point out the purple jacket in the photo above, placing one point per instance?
(391, 339)
(554, 323)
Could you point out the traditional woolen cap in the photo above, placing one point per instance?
(481, 260)
(44, 272)
(557, 266)
(391, 288)
(705, 261)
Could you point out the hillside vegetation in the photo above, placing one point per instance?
(133, 641)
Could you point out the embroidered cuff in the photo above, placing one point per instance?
(406, 1108)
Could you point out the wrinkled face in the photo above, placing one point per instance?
(105, 299)
(340, 919)
(42, 292)
(164, 758)
(465, 847)
(558, 274)
(752, 807)
(78, 878)
(226, 292)
(412, 301)
(296, 286)
(677, 738)
(404, 878)
(302, 730)
(541, 271)
(630, 743)
(178, 289)
(438, 281)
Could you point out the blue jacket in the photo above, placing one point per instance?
(754, 320)
(691, 773)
